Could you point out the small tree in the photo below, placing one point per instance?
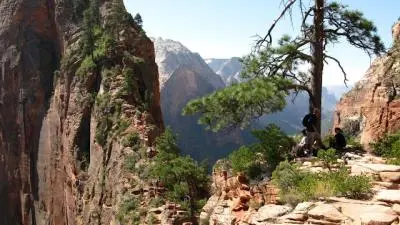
(322, 24)
(184, 178)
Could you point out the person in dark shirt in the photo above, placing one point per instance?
(339, 142)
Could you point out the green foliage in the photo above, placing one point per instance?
(327, 140)
(79, 7)
(156, 202)
(129, 81)
(238, 104)
(103, 127)
(91, 21)
(359, 31)
(181, 175)
(109, 120)
(389, 147)
(130, 162)
(151, 219)
(273, 147)
(269, 66)
(87, 65)
(131, 140)
(128, 210)
(118, 18)
(296, 185)
(274, 144)
(353, 141)
(166, 143)
(328, 157)
(244, 160)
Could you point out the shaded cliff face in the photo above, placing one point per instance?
(372, 107)
(63, 120)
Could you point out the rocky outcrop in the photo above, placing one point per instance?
(238, 202)
(64, 115)
(372, 107)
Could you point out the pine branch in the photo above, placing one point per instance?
(268, 37)
(340, 66)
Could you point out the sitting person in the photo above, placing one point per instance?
(339, 142)
(302, 147)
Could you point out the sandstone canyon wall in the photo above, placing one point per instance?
(372, 107)
(61, 157)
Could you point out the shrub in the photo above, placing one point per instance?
(328, 157)
(156, 202)
(130, 162)
(297, 186)
(129, 208)
(131, 140)
(274, 144)
(87, 65)
(103, 126)
(185, 179)
(353, 141)
(389, 147)
(244, 160)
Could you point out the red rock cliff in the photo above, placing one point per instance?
(61, 156)
(372, 107)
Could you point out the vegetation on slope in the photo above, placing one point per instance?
(389, 147)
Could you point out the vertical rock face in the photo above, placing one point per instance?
(62, 122)
(372, 107)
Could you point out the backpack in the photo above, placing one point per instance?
(307, 120)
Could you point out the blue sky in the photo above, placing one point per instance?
(226, 28)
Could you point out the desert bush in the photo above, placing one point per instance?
(274, 145)
(130, 162)
(296, 185)
(244, 160)
(389, 147)
(131, 140)
(328, 158)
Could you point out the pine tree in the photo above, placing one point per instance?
(322, 24)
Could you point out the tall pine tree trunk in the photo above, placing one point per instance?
(317, 52)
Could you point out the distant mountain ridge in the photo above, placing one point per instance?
(171, 54)
(184, 76)
(228, 69)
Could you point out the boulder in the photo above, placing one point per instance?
(303, 207)
(355, 209)
(326, 212)
(396, 208)
(392, 196)
(390, 177)
(269, 213)
(381, 167)
(378, 218)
